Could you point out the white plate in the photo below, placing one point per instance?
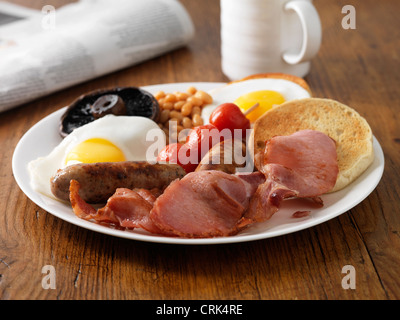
(43, 137)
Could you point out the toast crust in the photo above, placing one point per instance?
(300, 81)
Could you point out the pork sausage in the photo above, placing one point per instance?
(99, 181)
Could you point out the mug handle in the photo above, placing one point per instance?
(312, 32)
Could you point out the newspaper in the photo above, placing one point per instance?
(48, 50)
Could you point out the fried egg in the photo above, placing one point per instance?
(108, 139)
(267, 92)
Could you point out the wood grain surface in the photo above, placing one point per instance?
(358, 67)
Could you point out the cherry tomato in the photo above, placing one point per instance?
(177, 153)
(170, 153)
(201, 139)
(229, 116)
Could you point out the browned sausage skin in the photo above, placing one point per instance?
(99, 181)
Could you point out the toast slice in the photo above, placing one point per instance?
(300, 81)
(351, 132)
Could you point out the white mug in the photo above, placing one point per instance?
(267, 36)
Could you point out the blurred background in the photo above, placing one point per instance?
(200, 60)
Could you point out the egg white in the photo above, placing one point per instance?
(229, 93)
(125, 132)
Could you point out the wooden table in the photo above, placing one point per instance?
(357, 67)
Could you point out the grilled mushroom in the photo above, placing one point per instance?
(130, 101)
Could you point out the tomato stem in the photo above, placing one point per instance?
(251, 109)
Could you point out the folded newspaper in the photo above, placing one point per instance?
(48, 50)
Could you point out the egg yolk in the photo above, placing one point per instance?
(266, 99)
(95, 150)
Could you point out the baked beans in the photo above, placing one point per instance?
(181, 109)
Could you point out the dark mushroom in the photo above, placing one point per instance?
(86, 108)
(108, 104)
